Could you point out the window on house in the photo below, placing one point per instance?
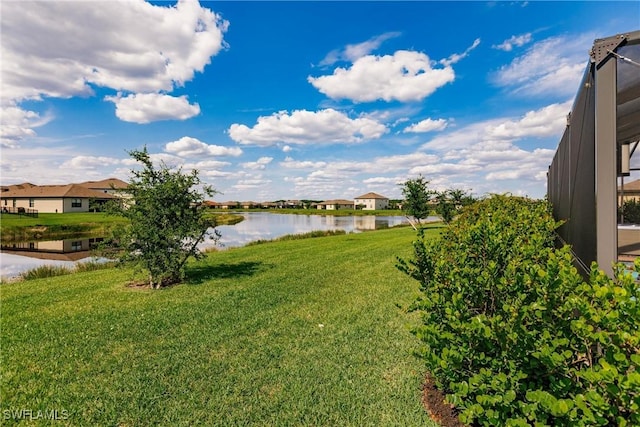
(76, 246)
(31, 203)
(76, 203)
(14, 203)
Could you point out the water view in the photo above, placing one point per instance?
(18, 257)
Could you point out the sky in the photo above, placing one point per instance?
(296, 100)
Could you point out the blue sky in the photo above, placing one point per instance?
(296, 100)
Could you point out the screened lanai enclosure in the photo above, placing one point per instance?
(594, 179)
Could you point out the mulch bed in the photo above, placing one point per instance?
(439, 410)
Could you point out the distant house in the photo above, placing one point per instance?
(59, 198)
(231, 204)
(332, 205)
(371, 201)
(630, 191)
(107, 186)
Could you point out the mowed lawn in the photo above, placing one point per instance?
(301, 332)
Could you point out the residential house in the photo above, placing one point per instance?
(107, 186)
(51, 198)
(59, 198)
(630, 191)
(337, 204)
(371, 201)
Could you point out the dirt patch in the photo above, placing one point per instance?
(139, 284)
(434, 401)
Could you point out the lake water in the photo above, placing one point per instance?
(256, 226)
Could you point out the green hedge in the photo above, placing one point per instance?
(512, 332)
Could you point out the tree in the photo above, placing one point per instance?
(449, 203)
(417, 199)
(166, 220)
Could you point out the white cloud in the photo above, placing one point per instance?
(546, 122)
(90, 162)
(307, 127)
(63, 49)
(249, 184)
(189, 147)
(260, 164)
(404, 76)
(18, 124)
(553, 66)
(352, 52)
(207, 165)
(384, 180)
(289, 163)
(286, 149)
(517, 41)
(169, 160)
(457, 57)
(152, 107)
(427, 125)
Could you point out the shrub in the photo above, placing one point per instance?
(630, 211)
(511, 331)
(44, 271)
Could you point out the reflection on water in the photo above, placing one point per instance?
(19, 257)
(266, 226)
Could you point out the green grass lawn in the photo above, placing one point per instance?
(300, 332)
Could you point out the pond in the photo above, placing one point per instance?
(19, 257)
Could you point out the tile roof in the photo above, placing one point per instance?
(337, 202)
(42, 191)
(371, 196)
(105, 184)
(631, 186)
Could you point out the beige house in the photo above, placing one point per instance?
(108, 186)
(630, 191)
(371, 201)
(332, 205)
(58, 198)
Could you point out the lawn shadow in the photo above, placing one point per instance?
(201, 273)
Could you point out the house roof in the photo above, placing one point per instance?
(371, 196)
(631, 186)
(105, 184)
(17, 186)
(55, 191)
(337, 202)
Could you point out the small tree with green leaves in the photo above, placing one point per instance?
(166, 220)
(449, 203)
(417, 199)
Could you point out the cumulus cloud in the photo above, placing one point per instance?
(152, 107)
(190, 147)
(290, 163)
(259, 164)
(248, 184)
(545, 122)
(352, 52)
(427, 125)
(517, 41)
(404, 76)
(553, 66)
(90, 162)
(307, 127)
(130, 46)
(18, 124)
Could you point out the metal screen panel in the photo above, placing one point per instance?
(571, 178)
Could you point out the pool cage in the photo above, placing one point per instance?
(594, 172)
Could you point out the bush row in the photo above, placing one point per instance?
(514, 334)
